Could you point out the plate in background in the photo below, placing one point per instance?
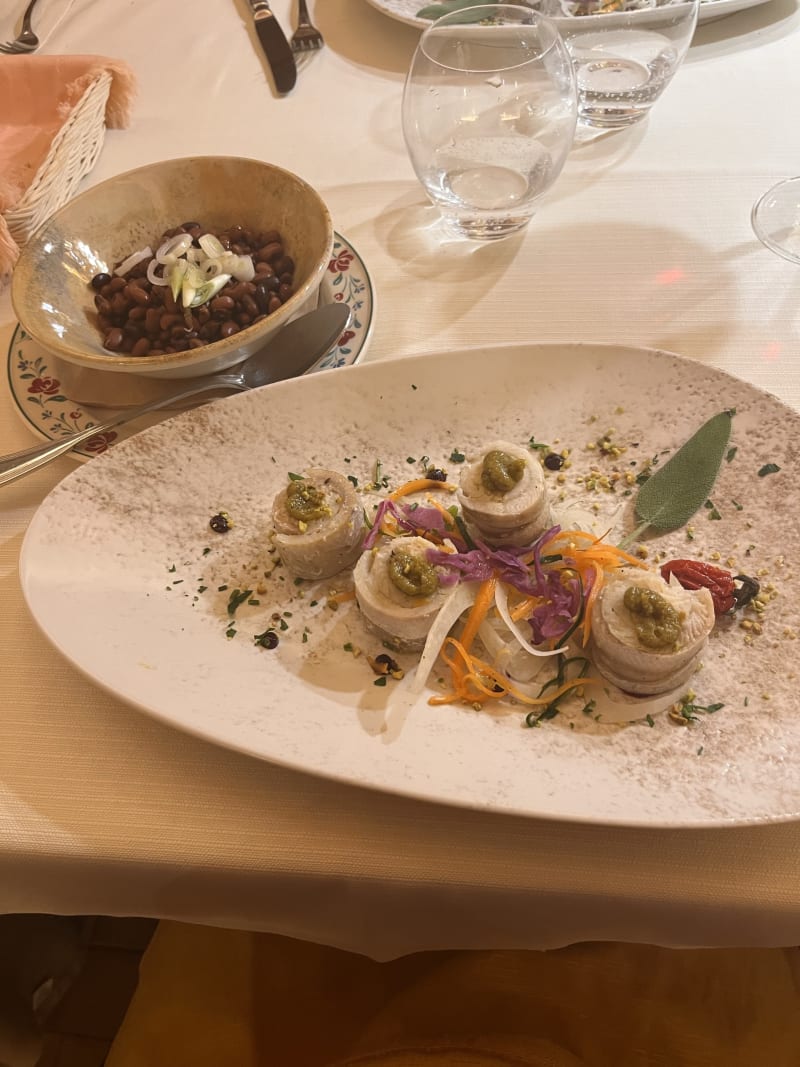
(406, 11)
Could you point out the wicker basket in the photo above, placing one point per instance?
(72, 155)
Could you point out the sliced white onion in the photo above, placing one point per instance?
(244, 270)
(153, 277)
(195, 255)
(211, 245)
(133, 260)
(461, 598)
(501, 600)
(208, 290)
(211, 268)
(176, 276)
(174, 247)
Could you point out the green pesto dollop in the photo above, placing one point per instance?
(412, 575)
(305, 502)
(658, 624)
(501, 472)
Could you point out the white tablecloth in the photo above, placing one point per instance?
(105, 811)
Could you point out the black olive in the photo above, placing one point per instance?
(100, 280)
(269, 639)
(220, 523)
(436, 474)
(553, 461)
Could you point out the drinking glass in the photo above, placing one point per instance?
(776, 219)
(489, 113)
(625, 52)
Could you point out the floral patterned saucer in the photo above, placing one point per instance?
(38, 395)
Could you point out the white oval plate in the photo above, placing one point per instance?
(406, 11)
(34, 376)
(123, 574)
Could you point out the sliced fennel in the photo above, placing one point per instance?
(460, 600)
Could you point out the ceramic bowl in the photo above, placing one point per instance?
(51, 290)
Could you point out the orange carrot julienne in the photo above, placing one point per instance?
(478, 612)
(343, 597)
(477, 673)
(416, 485)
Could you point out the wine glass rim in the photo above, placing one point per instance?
(760, 231)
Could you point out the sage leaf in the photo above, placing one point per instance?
(670, 496)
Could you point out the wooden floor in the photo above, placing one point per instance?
(79, 1030)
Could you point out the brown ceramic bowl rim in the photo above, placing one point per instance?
(111, 361)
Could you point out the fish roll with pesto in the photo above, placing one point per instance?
(647, 633)
(319, 524)
(503, 495)
(399, 592)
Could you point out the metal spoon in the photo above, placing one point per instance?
(291, 352)
(26, 41)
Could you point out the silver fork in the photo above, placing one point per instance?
(27, 41)
(306, 38)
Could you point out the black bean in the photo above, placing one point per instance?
(140, 318)
(113, 340)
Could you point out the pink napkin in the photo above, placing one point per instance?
(37, 94)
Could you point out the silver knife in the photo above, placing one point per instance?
(276, 48)
(294, 350)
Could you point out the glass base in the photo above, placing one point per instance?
(484, 229)
(611, 118)
(775, 219)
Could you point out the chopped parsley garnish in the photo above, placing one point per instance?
(296, 477)
(731, 453)
(348, 646)
(202, 588)
(352, 478)
(650, 720)
(380, 681)
(221, 588)
(713, 513)
(410, 459)
(533, 443)
(230, 632)
(456, 456)
(768, 468)
(206, 551)
(172, 569)
(237, 598)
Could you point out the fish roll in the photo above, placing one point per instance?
(319, 524)
(503, 495)
(399, 592)
(648, 634)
